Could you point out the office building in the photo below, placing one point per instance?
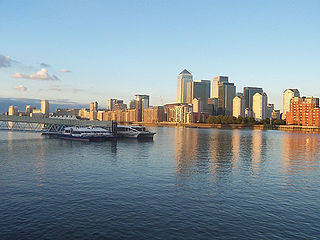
(238, 106)
(215, 85)
(183, 78)
(275, 115)
(196, 105)
(259, 106)
(227, 91)
(248, 113)
(288, 94)
(45, 107)
(270, 108)
(213, 106)
(199, 89)
(248, 93)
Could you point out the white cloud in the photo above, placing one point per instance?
(65, 70)
(20, 88)
(5, 61)
(41, 75)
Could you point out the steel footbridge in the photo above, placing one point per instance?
(49, 125)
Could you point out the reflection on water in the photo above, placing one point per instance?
(221, 152)
(300, 152)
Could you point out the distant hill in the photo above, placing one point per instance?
(22, 102)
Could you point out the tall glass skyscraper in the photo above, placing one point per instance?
(183, 78)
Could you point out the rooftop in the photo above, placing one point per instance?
(185, 71)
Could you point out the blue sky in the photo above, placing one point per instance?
(115, 49)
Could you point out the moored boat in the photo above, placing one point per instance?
(86, 134)
(138, 132)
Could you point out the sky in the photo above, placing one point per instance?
(89, 50)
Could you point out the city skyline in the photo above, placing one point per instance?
(92, 58)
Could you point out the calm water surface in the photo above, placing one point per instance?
(186, 184)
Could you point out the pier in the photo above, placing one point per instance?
(49, 125)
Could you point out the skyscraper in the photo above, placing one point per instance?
(199, 89)
(110, 104)
(259, 106)
(183, 78)
(45, 107)
(93, 110)
(215, 85)
(227, 91)
(142, 102)
(288, 94)
(248, 93)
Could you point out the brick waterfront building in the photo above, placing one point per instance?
(304, 111)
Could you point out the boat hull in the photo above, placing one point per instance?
(85, 139)
(136, 135)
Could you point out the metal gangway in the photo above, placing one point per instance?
(50, 125)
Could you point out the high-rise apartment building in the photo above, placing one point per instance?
(288, 94)
(199, 89)
(238, 106)
(227, 91)
(45, 107)
(115, 104)
(93, 110)
(248, 93)
(110, 104)
(259, 106)
(183, 78)
(142, 102)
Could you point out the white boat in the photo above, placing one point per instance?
(137, 132)
(87, 134)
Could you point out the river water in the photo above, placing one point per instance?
(186, 184)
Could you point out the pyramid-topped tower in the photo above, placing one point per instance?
(183, 78)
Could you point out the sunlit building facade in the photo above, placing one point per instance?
(183, 79)
(238, 106)
(288, 94)
(259, 106)
(304, 111)
(45, 107)
(248, 93)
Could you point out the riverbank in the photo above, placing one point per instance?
(233, 126)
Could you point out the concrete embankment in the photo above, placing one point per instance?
(233, 126)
